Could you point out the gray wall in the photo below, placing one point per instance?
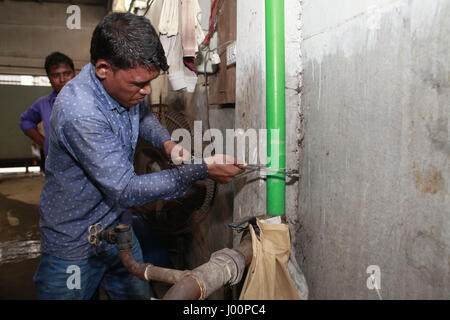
(375, 171)
(29, 31)
(367, 105)
(250, 191)
(14, 144)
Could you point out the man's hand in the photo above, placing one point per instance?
(36, 136)
(176, 153)
(222, 168)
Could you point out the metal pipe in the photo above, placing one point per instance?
(137, 269)
(225, 267)
(147, 271)
(121, 236)
(187, 288)
(163, 274)
(275, 106)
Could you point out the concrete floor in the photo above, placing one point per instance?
(19, 234)
(20, 238)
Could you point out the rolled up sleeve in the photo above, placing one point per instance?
(30, 118)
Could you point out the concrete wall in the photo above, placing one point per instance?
(29, 31)
(250, 191)
(367, 105)
(375, 171)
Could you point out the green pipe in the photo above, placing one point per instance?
(275, 104)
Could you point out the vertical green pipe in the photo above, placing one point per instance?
(275, 104)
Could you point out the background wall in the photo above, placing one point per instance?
(367, 105)
(29, 31)
(250, 191)
(375, 171)
(15, 100)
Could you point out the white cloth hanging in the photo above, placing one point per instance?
(168, 23)
(191, 30)
(179, 76)
(183, 42)
(119, 6)
(154, 13)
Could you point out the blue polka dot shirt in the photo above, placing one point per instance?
(90, 176)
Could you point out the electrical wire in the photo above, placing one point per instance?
(213, 20)
(149, 4)
(131, 5)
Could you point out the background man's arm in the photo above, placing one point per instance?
(29, 121)
(36, 136)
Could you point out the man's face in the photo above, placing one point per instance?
(59, 75)
(128, 87)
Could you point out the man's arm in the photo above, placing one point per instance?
(151, 130)
(36, 136)
(29, 121)
(221, 168)
(106, 163)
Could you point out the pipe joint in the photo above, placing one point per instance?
(232, 263)
(225, 267)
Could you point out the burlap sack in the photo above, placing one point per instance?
(267, 277)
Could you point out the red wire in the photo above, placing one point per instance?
(212, 26)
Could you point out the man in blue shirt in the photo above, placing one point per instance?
(60, 70)
(90, 177)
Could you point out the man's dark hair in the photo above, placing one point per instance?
(56, 58)
(126, 40)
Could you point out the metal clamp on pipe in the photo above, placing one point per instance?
(122, 237)
(119, 235)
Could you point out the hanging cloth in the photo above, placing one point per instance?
(191, 31)
(268, 277)
(181, 75)
(168, 23)
(153, 13)
(119, 6)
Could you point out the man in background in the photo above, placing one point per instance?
(60, 70)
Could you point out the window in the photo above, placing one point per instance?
(24, 80)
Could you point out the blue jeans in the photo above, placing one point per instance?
(79, 279)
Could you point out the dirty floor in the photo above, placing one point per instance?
(20, 238)
(19, 234)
